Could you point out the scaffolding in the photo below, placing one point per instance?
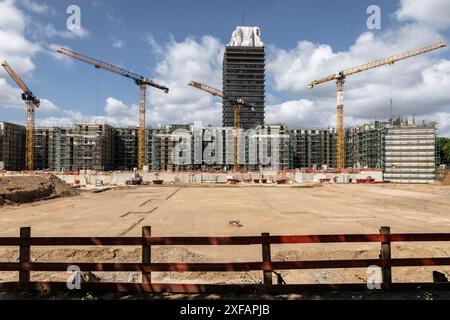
(365, 146)
(410, 152)
(81, 147)
(313, 148)
(406, 151)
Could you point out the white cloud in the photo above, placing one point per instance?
(9, 96)
(47, 106)
(13, 46)
(443, 119)
(19, 53)
(37, 7)
(51, 48)
(154, 46)
(434, 13)
(299, 113)
(48, 30)
(419, 86)
(179, 63)
(116, 108)
(10, 17)
(117, 114)
(119, 44)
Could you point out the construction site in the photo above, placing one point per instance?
(244, 178)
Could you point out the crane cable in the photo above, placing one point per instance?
(96, 92)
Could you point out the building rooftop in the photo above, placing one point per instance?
(246, 37)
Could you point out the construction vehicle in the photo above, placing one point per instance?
(238, 104)
(340, 78)
(139, 80)
(32, 103)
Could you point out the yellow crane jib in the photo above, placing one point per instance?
(32, 103)
(340, 79)
(139, 80)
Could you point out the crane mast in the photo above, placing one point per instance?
(139, 80)
(340, 79)
(32, 102)
(238, 104)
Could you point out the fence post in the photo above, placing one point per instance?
(146, 255)
(386, 255)
(267, 258)
(24, 257)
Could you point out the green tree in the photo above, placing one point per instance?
(444, 146)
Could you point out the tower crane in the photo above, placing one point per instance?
(238, 104)
(340, 78)
(32, 103)
(139, 80)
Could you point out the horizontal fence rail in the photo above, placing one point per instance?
(223, 241)
(268, 267)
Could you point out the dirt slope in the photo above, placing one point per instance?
(446, 181)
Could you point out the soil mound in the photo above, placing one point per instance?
(26, 189)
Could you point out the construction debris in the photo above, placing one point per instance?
(235, 223)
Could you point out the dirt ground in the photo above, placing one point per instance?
(208, 211)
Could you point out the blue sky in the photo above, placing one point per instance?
(176, 41)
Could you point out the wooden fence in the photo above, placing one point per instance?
(266, 266)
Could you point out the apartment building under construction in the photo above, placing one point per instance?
(244, 77)
(405, 151)
(365, 146)
(12, 146)
(81, 147)
(313, 148)
(208, 148)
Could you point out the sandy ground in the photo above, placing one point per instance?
(207, 211)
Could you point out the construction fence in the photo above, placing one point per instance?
(266, 265)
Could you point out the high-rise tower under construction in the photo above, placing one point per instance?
(244, 76)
